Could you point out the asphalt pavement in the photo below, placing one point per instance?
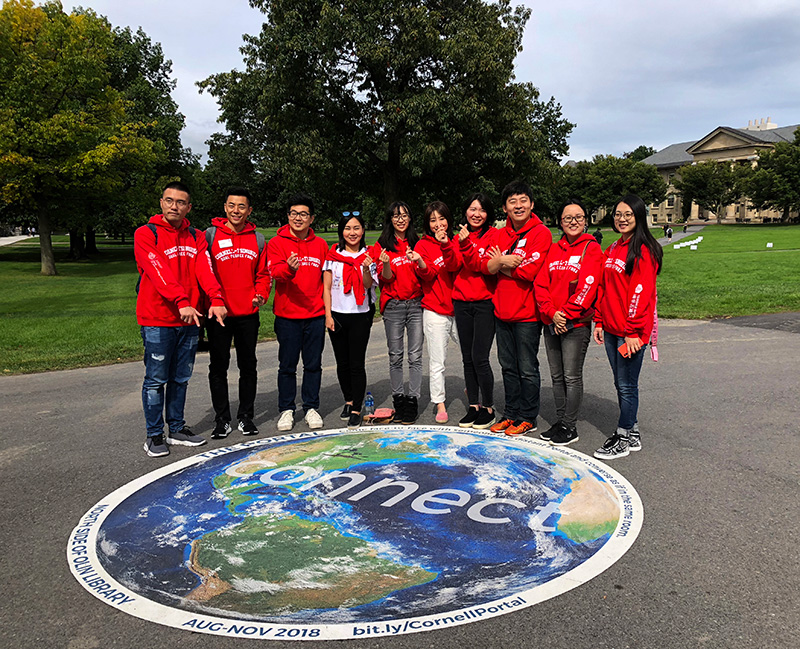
(715, 565)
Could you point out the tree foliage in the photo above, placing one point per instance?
(639, 153)
(713, 184)
(78, 126)
(375, 100)
(775, 183)
(601, 182)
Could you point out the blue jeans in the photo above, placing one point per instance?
(168, 361)
(626, 379)
(306, 336)
(565, 355)
(517, 349)
(404, 317)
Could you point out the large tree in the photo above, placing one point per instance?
(601, 182)
(388, 99)
(713, 184)
(139, 71)
(65, 136)
(639, 153)
(775, 183)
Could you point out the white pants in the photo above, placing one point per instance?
(438, 329)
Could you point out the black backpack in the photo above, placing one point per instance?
(211, 234)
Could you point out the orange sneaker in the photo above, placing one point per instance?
(521, 429)
(501, 425)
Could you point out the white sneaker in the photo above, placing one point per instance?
(313, 419)
(287, 420)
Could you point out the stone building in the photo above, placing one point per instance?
(723, 143)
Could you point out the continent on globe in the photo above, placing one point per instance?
(278, 564)
(589, 511)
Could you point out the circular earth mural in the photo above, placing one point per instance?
(342, 534)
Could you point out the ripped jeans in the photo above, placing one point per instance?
(168, 363)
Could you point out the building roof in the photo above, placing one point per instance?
(676, 155)
(780, 134)
(673, 156)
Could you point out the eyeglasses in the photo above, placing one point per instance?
(573, 219)
(303, 215)
(627, 216)
(400, 217)
(349, 213)
(169, 201)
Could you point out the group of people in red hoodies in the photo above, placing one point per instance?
(516, 284)
(482, 282)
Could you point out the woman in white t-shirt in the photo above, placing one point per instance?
(348, 280)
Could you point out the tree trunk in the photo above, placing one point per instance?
(91, 241)
(785, 215)
(46, 243)
(122, 238)
(391, 173)
(77, 247)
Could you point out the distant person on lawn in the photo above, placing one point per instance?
(173, 264)
(239, 259)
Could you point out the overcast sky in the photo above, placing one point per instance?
(626, 72)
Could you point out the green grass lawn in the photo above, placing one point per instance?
(86, 315)
(732, 273)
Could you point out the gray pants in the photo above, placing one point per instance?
(565, 355)
(400, 316)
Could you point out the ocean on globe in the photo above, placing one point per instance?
(358, 526)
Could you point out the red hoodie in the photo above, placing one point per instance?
(626, 304)
(404, 284)
(298, 293)
(471, 285)
(442, 262)
(513, 297)
(562, 266)
(171, 265)
(239, 266)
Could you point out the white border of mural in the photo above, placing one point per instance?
(87, 569)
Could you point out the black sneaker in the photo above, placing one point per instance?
(468, 420)
(548, 434)
(564, 436)
(634, 441)
(247, 427)
(411, 410)
(221, 430)
(615, 446)
(345, 414)
(485, 419)
(155, 446)
(399, 402)
(185, 437)
(354, 421)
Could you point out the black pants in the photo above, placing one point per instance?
(243, 331)
(349, 340)
(475, 324)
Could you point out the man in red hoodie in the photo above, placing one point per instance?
(295, 258)
(518, 254)
(173, 266)
(239, 259)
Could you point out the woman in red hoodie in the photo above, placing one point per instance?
(400, 304)
(474, 310)
(625, 315)
(565, 291)
(438, 260)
